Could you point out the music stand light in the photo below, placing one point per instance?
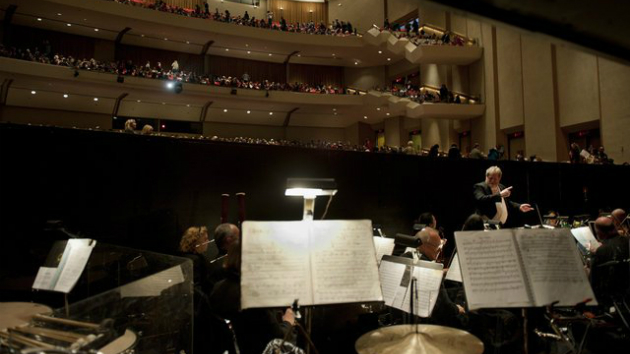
(309, 189)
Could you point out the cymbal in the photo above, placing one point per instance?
(429, 339)
(19, 313)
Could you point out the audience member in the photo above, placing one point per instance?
(147, 129)
(476, 153)
(453, 152)
(130, 126)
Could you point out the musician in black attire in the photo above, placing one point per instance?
(445, 312)
(193, 245)
(610, 275)
(254, 328)
(492, 198)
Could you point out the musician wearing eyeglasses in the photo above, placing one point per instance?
(445, 311)
(493, 199)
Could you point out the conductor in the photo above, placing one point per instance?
(492, 198)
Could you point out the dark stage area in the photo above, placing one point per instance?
(143, 191)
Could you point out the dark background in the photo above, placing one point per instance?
(144, 191)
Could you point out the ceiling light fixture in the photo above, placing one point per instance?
(95, 99)
(96, 30)
(389, 59)
(69, 24)
(39, 19)
(380, 52)
(33, 92)
(225, 110)
(270, 113)
(248, 112)
(65, 95)
(248, 52)
(356, 63)
(364, 117)
(227, 49)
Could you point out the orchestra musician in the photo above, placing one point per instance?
(492, 198)
(610, 277)
(619, 218)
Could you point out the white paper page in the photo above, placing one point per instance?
(454, 273)
(491, 270)
(44, 278)
(154, 284)
(275, 264)
(391, 274)
(384, 246)
(343, 265)
(554, 267)
(428, 286)
(585, 237)
(76, 257)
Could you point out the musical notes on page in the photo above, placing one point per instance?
(274, 268)
(491, 269)
(384, 246)
(553, 266)
(318, 262)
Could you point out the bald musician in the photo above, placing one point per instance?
(492, 198)
(610, 277)
(445, 311)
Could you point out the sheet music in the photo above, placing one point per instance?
(554, 267)
(343, 265)
(74, 264)
(428, 285)
(491, 270)
(317, 262)
(454, 273)
(73, 261)
(44, 278)
(391, 273)
(585, 237)
(384, 246)
(275, 267)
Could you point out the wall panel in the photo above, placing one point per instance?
(577, 87)
(615, 123)
(510, 76)
(540, 126)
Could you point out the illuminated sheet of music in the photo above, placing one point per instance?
(428, 285)
(585, 237)
(65, 275)
(275, 267)
(491, 269)
(384, 246)
(391, 274)
(317, 262)
(343, 265)
(454, 272)
(554, 268)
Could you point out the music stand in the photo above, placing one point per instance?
(309, 189)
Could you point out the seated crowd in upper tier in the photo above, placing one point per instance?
(174, 73)
(337, 28)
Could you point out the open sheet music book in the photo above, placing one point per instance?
(396, 274)
(585, 237)
(521, 268)
(384, 246)
(316, 262)
(454, 272)
(65, 264)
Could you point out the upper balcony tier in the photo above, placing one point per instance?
(149, 28)
(37, 85)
